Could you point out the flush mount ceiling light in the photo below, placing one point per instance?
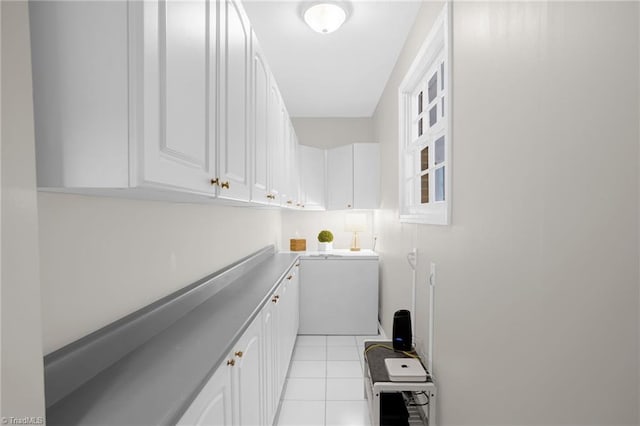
(325, 18)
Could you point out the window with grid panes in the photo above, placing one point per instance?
(425, 146)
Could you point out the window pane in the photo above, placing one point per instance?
(424, 159)
(442, 76)
(442, 107)
(439, 150)
(420, 127)
(433, 115)
(424, 188)
(440, 184)
(433, 87)
(420, 103)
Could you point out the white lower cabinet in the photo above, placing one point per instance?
(269, 385)
(246, 389)
(247, 374)
(213, 405)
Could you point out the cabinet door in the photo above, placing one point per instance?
(233, 140)
(294, 312)
(291, 166)
(270, 365)
(260, 149)
(248, 376)
(213, 406)
(283, 322)
(366, 175)
(340, 178)
(275, 142)
(312, 166)
(174, 91)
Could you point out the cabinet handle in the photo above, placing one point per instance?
(271, 196)
(224, 185)
(289, 202)
(297, 264)
(231, 362)
(215, 181)
(289, 277)
(348, 206)
(239, 354)
(274, 300)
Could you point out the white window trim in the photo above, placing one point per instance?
(436, 44)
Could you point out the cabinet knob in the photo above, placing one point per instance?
(271, 196)
(231, 362)
(348, 206)
(215, 181)
(274, 300)
(239, 354)
(289, 277)
(297, 264)
(289, 202)
(224, 185)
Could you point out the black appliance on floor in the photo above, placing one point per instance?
(402, 337)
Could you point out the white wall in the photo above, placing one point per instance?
(307, 225)
(22, 386)
(537, 289)
(332, 132)
(102, 258)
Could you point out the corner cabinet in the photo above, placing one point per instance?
(245, 390)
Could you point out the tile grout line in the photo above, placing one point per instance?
(326, 373)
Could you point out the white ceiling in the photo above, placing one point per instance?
(341, 74)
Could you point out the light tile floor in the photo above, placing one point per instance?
(325, 383)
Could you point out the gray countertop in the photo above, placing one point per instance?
(155, 383)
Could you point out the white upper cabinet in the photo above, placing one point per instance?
(173, 66)
(353, 177)
(235, 66)
(275, 141)
(260, 148)
(81, 97)
(312, 172)
(170, 99)
(340, 178)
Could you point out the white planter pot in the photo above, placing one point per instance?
(325, 246)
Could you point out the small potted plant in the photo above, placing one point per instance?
(325, 240)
